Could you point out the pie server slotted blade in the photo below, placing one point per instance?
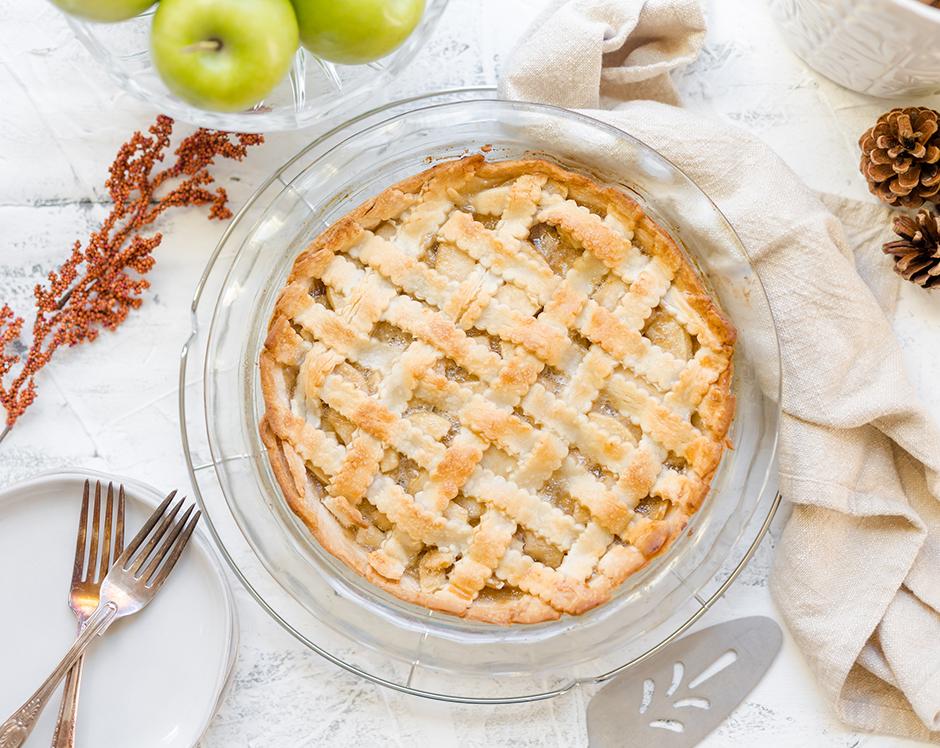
(678, 696)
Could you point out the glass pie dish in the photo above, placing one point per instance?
(313, 90)
(332, 609)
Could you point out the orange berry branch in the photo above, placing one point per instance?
(98, 286)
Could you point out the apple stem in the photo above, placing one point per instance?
(207, 45)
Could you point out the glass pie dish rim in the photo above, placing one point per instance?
(349, 127)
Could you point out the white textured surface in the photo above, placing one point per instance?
(112, 405)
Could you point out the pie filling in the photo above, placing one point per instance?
(496, 390)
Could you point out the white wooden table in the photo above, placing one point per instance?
(113, 405)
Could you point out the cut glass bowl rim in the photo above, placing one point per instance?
(369, 78)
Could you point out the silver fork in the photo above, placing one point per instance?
(130, 584)
(84, 592)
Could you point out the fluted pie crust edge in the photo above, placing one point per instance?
(526, 469)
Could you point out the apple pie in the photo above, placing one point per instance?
(496, 389)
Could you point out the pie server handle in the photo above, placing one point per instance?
(679, 695)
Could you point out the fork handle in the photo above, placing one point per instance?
(64, 735)
(16, 729)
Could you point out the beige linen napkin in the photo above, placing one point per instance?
(857, 573)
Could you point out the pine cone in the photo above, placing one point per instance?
(901, 156)
(917, 253)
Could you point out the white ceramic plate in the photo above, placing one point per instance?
(155, 678)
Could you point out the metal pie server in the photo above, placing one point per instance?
(678, 696)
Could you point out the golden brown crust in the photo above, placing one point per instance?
(491, 418)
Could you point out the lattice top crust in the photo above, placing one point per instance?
(497, 389)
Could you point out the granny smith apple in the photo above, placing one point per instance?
(356, 31)
(224, 55)
(104, 10)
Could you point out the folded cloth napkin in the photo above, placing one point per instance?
(857, 570)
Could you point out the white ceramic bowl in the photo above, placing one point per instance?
(885, 48)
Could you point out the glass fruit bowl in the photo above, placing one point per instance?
(313, 90)
(333, 610)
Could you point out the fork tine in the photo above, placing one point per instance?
(79, 565)
(144, 531)
(106, 552)
(119, 540)
(177, 549)
(95, 521)
(165, 545)
(144, 554)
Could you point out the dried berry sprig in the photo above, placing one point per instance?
(98, 286)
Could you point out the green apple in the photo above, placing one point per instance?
(104, 10)
(356, 31)
(224, 55)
